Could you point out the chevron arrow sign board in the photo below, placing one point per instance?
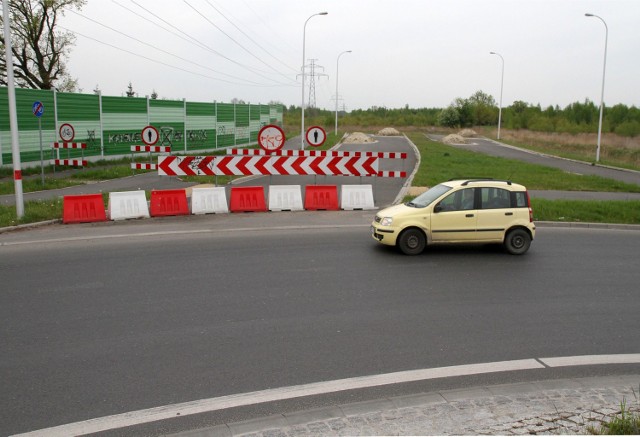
(267, 165)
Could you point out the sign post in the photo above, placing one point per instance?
(38, 110)
(13, 116)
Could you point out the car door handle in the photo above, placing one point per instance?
(508, 213)
(469, 215)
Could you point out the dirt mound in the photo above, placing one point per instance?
(467, 133)
(358, 138)
(454, 139)
(389, 132)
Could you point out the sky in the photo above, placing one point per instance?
(420, 53)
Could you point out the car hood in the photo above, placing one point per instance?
(393, 210)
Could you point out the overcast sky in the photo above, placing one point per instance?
(421, 53)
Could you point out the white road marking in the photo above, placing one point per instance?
(193, 231)
(592, 360)
(244, 399)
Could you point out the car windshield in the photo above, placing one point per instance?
(428, 196)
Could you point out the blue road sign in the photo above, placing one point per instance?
(38, 109)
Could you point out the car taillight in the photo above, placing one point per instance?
(530, 209)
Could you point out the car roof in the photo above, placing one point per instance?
(484, 182)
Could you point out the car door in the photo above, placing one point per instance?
(454, 217)
(495, 214)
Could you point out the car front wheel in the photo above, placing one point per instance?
(412, 242)
(517, 242)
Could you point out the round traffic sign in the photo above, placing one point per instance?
(67, 133)
(150, 135)
(38, 109)
(316, 136)
(271, 138)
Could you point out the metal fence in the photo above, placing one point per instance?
(111, 125)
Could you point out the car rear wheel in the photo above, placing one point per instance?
(412, 241)
(517, 241)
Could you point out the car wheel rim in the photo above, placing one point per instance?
(518, 242)
(412, 242)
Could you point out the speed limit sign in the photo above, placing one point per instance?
(67, 133)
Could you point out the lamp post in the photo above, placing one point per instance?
(337, 66)
(604, 69)
(304, 35)
(501, 86)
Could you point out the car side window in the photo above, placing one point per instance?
(521, 199)
(495, 198)
(459, 201)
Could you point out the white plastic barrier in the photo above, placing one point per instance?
(285, 198)
(357, 197)
(209, 200)
(128, 205)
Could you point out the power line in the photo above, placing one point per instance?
(137, 55)
(159, 49)
(251, 39)
(202, 45)
(232, 39)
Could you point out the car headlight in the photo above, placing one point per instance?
(386, 221)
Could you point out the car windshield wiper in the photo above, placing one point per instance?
(414, 205)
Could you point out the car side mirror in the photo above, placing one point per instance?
(437, 208)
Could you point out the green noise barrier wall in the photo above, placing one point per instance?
(110, 125)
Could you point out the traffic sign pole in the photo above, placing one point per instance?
(38, 110)
(13, 116)
(41, 152)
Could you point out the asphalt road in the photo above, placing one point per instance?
(495, 148)
(108, 318)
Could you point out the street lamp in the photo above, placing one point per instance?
(337, 66)
(604, 69)
(304, 34)
(501, 86)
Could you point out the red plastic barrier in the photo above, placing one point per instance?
(247, 199)
(321, 197)
(168, 202)
(83, 208)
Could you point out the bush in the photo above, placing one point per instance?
(628, 129)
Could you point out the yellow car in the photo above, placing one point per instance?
(467, 211)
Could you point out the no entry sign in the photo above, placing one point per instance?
(150, 135)
(67, 133)
(271, 138)
(316, 136)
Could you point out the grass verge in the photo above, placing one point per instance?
(625, 422)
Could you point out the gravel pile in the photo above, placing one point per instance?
(358, 138)
(454, 139)
(389, 132)
(467, 133)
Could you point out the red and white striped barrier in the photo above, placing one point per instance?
(155, 149)
(57, 145)
(392, 174)
(143, 166)
(150, 149)
(266, 165)
(72, 162)
(316, 153)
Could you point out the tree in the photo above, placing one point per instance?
(39, 49)
(154, 95)
(449, 117)
(130, 92)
